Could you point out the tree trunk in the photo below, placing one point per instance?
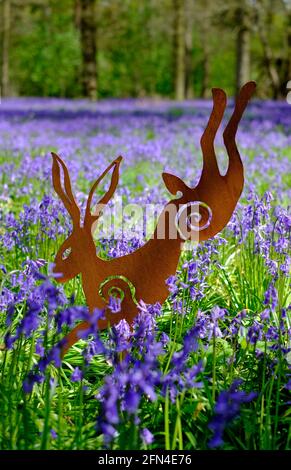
(189, 51)
(289, 46)
(271, 69)
(243, 49)
(77, 13)
(286, 75)
(265, 17)
(179, 49)
(206, 71)
(88, 47)
(205, 28)
(5, 47)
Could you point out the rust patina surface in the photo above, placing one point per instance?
(141, 275)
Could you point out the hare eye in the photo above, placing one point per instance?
(66, 253)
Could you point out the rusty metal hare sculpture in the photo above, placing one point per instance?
(141, 275)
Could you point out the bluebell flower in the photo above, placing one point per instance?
(131, 401)
(30, 380)
(114, 304)
(146, 436)
(271, 296)
(77, 375)
(227, 408)
(255, 333)
(10, 313)
(39, 349)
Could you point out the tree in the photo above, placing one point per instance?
(205, 21)
(264, 25)
(88, 32)
(288, 45)
(236, 16)
(5, 47)
(276, 57)
(153, 48)
(189, 48)
(179, 48)
(243, 59)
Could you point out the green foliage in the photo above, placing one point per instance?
(63, 415)
(135, 48)
(134, 53)
(46, 55)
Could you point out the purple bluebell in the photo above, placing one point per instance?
(227, 408)
(146, 436)
(77, 375)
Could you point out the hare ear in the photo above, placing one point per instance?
(174, 184)
(89, 218)
(66, 193)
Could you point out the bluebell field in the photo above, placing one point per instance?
(208, 369)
